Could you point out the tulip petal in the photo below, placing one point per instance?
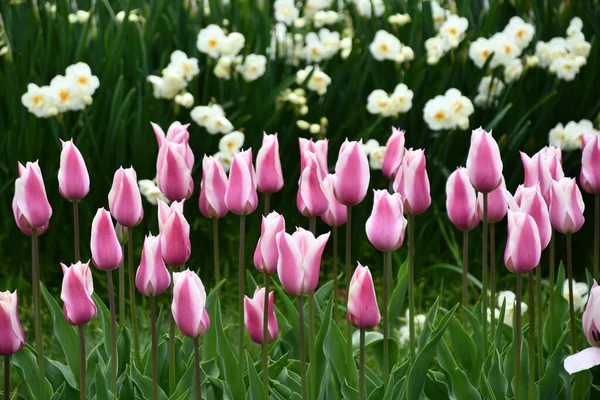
(583, 360)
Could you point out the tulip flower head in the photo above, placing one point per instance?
(497, 205)
(30, 204)
(174, 229)
(77, 290)
(412, 182)
(566, 206)
(12, 338)
(523, 247)
(177, 133)
(311, 199)
(73, 177)
(213, 188)
(336, 213)
(542, 168)
(532, 202)
(386, 225)
(107, 253)
(124, 198)
(461, 201)
(269, 176)
(319, 148)
(189, 302)
(152, 277)
(352, 173)
(254, 316)
(173, 176)
(299, 260)
(394, 153)
(241, 197)
(266, 253)
(590, 163)
(484, 163)
(362, 302)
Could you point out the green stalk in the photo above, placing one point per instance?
(311, 345)
(571, 305)
(597, 237)
(551, 293)
(484, 277)
(154, 348)
(361, 367)
(172, 366)
(241, 279)
(465, 269)
(411, 286)
(312, 224)
(37, 316)
(134, 322)
(198, 372)
(518, 334)
(530, 383)
(265, 344)
(82, 362)
(267, 204)
(122, 290)
(539, 323)
(76, 246)
(6, 377)
(348, 270)
(335, 271)
(113, 333)
(493, 275)
(302, 348)
(384, 307)
(216, 250)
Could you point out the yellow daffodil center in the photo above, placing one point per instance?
(440, 115)
(64, 94)
(82, 80)
(212, 43)
(37, 99)
(384, 47)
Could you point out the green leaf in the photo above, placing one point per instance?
(436, 386)
(26, 363)
(144, 384)
(101, 384)
(398, 295)
(495, 376)
(342, 363)
(104, 317)
(467, 349)
(429, 321)
(555, 325)
(64, 372)
(255, 384)
(459, 382)
(549, 383)
(123, 350)
(456, 269)
(582, 385)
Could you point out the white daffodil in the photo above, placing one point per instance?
(568, 137)
(580, 294)
(312, 6)
(330, 42)
(232, 44)
(567, 67)
(81, 76)
(438, 13)
(505, 49)
(303, 125)
(210, 40)
(479, 51)
(66, 95)
(488, 91)
(38, 100)
(520, 31)
(453, 30)
(436, 48)
(222, 69)
(376, 158)
(82, 16)
(185, 100)
(577, 45)
(385, 46)
(323, 18)
(202, 114)
(399, 19)
(314, 51)
(369, 146)
(187, 67)
(510, 308)
(151, 192)
(225, 159)
(401, 99)
(169, 85)
(461, 106)
(575, 25)
(438, 114)
(379, 103)
(285, 11)
(346, 46)
(513, 70)
(365, 7)
(254, 67)
(218, 124)
(318, 81)
(231, 142)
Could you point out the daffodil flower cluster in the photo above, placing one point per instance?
(399, 102)
(79, 17)
(580, 294)
(448, 111)
(489, 90)
(212, 118)
(509, 309)
(386, 46)
(71, 92)
(317, 82)
(175, 77)
(229, 144)
(151, 192)
(451, 32)
(314, 128)
(568, 137)
(296, 98)
(375, 152)
(419, 321)
(365, 8)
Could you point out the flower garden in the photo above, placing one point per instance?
(316, 199)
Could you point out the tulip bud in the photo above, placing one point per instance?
(566, 206)
(461, 201)
(173, 177)
(269, 177)
(12, 338)
(177, 133)
(73, 177)
(412, 182)
(336, 213)
(152, 277)
(319, 148)
(241, 197)
(590, 163)
(484, 163)
(213, 188)
(311, 200)
(124, 198)
(266, 254)
(254, 316)
(189, 302)
(352, 174)
(543, 168)
(523, 248)
(106, 249)
(394, 152)
(497, 205)
(299, 260)
(77, 289)
(532, 202)
(386, 225)
(30, 204)
(362, 302)
(175, 232)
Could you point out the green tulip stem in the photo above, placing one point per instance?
(361, 366)
(267, 204)
(492, 275)
(551, 281)
(154, 348)
(484, 275)
(518, 338)
(539, 323)
(241, 281)
(122, 290)
(6, 377)
(216, 250)
(348, 270)
(387, 258)
(531, 381)
(198, 370)
(597, 237)
(311, 345)
(82, 362)
(302, 347)
(465, 269)
(134, 322)
(113, 333)
(411, 287)
(172, 358)
(265, 344)
(76, 246)
(37, 316)
(335, 270)
(571, 304)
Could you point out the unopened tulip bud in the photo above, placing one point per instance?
(106, 249)
(266, 254)
(362, 302)
(412, 182)
(269, 176)
(30, 204)
(77, 290)
(484, 163)
(189, 301)
(590, 163)
(241, 197)
(254, 316)
(152, 277)
(73, 177)
(352, 174)
(213, 188)
(174, 229)
(461, 201)
(523, 247)
(386, 225)
(336, 213)
(124, 198)
(12, 338)
(566, 206)
(393, 154)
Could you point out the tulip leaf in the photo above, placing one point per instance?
(290, 380)
(555, 324)
(429, 321)
(458, 380)
(26, 363)
(290, 313)
(104, 317)
(123, 350)
(59, 393)
(549, 383)
(144, 384)
(255, 384)
(436, 386)
(58, 373)
(125, 386)
(582, 382)
(276, 367)
(342, 363)
(398, 294)
(64, 332)
(467, 349)
(495, 377)
(101, 384)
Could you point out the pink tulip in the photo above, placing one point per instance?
(497, 205)
(173, 176)
(177, 133)
(543, 168)
(213, 188)
(589, 357)
(590, 163)
(175, 232)
(124, 198)
(362, 302)
(386, 225)
(461, 201)
(319, 147)
(254, 316)
(73, 177)
(77, 289)
(336, 213)
(266, 254)
(394, 153)
(18, 215)
(12, 338)
(299, 260)
(566, 207)
(532, 202)
(106, 249)
(241, 197)
(311, 200)
(412, 182)
(523, 248)
(152, 277)
(484, 163)
(189, 302)
(30, 204)
(352, 174)
(269, 176)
